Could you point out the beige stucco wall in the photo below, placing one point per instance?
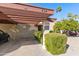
(51, 25)
(10, 29)
(19, 30)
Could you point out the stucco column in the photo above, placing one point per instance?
(44, 32)
(43, 44)
(43, 40)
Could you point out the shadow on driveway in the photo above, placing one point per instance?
(16, 44)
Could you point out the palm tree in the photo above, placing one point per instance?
(69, 15)
(59, 9)
(72, 16)
(76, 16)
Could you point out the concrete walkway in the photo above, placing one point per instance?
(73, 49)
(23, 47)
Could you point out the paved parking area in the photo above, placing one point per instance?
(73, 49)
(23, 47)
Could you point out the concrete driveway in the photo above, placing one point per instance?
(23, 47)
(30, 47)
(73, 49)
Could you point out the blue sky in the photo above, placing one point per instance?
(66, 8)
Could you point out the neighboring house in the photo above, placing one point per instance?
(20, 19)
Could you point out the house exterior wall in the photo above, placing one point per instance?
(17, 31)
(10, 29)
(51, 24)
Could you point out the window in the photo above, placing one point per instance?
(46, 26)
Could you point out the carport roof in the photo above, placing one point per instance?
(23, 13)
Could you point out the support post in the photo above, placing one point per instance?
(44, 32)
(43, 40)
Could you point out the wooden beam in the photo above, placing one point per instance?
(34, 20)
(28, 18)
(42, 16)
(28, 22)
(21, 13)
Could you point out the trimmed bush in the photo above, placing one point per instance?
(56, 43)
(51, 31)
(38, 35)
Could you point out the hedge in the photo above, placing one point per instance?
(38, 35)
(56, 43)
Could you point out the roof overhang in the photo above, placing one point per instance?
(22, 13)
(51, 19)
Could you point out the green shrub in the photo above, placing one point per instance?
(38, 35)
(51, 31)
(56, 43)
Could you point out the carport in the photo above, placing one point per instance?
(20, 21)
(25, 16)
(23, 13)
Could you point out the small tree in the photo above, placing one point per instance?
(58, 26)
(67, 24)
(70, 24)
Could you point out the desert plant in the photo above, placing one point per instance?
(56, 43)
